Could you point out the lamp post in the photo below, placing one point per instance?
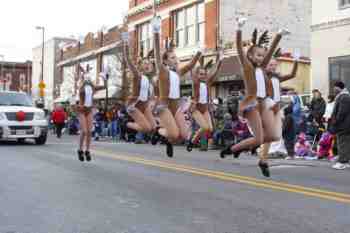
(41, 83)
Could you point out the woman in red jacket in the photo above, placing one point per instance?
(59, 118)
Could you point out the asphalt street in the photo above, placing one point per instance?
(130, 188)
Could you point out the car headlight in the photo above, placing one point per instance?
(39, 116)
(2, 116)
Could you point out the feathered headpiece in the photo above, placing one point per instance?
(261, 41)
(278, 53)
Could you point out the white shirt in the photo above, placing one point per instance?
(276, 89)
(203, 93)
(144, 89)
(174, 90)
(329, 110)
(88, 96)
(260, 83)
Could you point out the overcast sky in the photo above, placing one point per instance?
(61, 18)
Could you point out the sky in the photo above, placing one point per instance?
(61, 18)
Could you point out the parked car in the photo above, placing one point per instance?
(305, 100)
(20, 120)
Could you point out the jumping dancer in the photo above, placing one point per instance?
(272, 120)
(202, 82)
(172, 119)
(257, 90)
(139, 106)
(86, 103)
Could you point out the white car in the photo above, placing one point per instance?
(20, 120)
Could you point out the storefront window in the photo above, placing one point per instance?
(189, 25)
(339, 70)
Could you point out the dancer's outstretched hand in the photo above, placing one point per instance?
(103, 75)
(156, 24)
(296, 55)
(284, 32)
(241, 22)
(125, 36)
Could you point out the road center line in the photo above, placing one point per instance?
(319, 193)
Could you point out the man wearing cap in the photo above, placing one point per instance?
(340, 124)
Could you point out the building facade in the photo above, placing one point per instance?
(51, 72)
(101, 51)
(330, 43)
(16, 76)
(211, 24)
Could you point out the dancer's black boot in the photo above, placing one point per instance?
(264, 166)
(169, 149)
(87, 156)
(189, 146)
(81, 155)
(155, 137)
(226, 151)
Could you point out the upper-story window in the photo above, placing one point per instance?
(189, 25)
(145, 38)
(344, 3)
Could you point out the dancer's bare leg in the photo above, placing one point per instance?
(272, 125)
(203, 123)
(255, 123)
(169, 128)
(264, 153)
(83, 130)
(141, 123)
(149, 116)
(88, 136)
(185, 129)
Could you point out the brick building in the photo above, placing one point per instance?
(192, 24)
(211, 23)
(16, 76)
(98, 50)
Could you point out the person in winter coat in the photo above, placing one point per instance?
(59, 118)
(340, 124)
(317, 107)
(288, 131)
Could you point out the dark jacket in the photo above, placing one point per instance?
(288, 129)
(340, 119)
(318, 108)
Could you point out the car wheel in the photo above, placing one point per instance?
(41, 140)
(21, 140)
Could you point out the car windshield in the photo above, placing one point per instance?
(15, 99)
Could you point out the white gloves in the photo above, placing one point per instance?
(156, 24)
(284, 32)
(221, 54)
(103, 75)
(125, 36)
(241, 21)
(296, 55)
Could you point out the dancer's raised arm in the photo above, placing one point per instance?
(273, 46)
(189, 66)
(213, 75)
(156, 23)
(239, 43)
(291, 75)
(126, 54)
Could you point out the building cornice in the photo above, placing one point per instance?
(89, 54)
(330, 24)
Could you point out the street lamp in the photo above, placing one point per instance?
(41, 83)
